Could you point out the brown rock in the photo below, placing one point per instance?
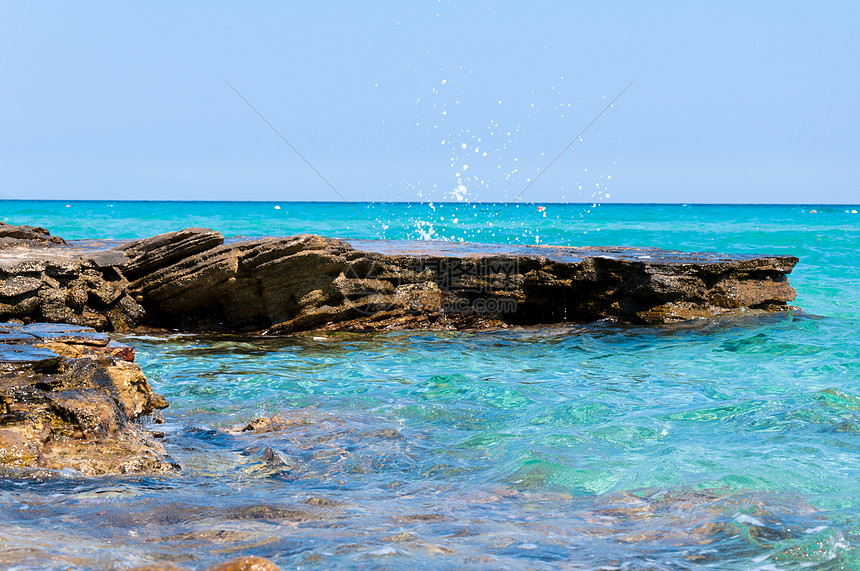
(84, 413)
(191, 280)
(151, 254)
(65, 285)
(250, 563)
(266, 512)
(158, 567)
(74, 404)
(16, 449)
(263, 425)
(12, 236)
(18, 286)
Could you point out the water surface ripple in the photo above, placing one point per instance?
(729, 444)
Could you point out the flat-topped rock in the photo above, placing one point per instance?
(67, 283)
(66, 333)
(27, 357)
(9, 335)
(311, 282)
(193, 280)
(561, 254)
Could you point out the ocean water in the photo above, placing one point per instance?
(727, 444)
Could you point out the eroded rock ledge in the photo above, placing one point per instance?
(72, 401)
(192, 280)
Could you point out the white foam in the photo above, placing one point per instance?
(768, 567)
(744, 518)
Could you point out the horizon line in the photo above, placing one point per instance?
(534, 202)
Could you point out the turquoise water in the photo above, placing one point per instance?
(733, 444)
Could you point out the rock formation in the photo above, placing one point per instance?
(12, 236)
(44, 280)
(310, 282)
(72, 400)
(192, 280)
(249, 563)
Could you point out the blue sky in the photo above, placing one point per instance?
(734, 101)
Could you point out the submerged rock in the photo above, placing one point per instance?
(248, 563)
(192, 280)
(262, 425)
(72, 401)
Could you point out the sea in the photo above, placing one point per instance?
(716, 444)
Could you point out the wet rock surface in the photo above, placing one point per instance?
(72, 401)
(192, 280)
(468, 527)
(251, 563)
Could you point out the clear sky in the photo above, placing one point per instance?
(436, 100)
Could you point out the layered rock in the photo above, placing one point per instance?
(310, 282)
(71, 399)
(55, 284)
(192, 280)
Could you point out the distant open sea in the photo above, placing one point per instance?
(726, 444)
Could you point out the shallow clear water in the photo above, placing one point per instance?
(733, 444)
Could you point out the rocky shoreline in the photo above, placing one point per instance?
(73, 402)
(194, 280)
(72, 399)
